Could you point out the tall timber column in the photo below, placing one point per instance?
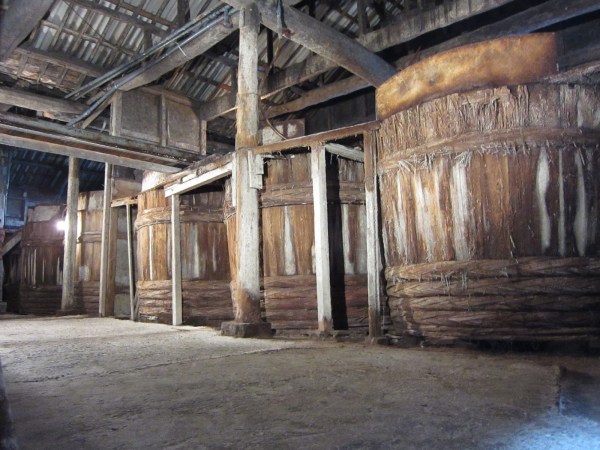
(67, 305)
(245, 290)
(4, 163)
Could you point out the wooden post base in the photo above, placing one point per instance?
(260, 330)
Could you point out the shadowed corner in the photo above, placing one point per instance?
(8, 440)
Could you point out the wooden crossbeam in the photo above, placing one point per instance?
(49, 137)
(530, 20)
(11, 243)
(121, 17)
(344, 151)
(36, 102)
(409, 27)
(189, 51)
(324, 40)
(18, 21)
(60, 59)
(191, 182)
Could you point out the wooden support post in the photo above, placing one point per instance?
(363, 20)
(246, 280)
(68, 285)
(373, 246)
(203, 137)
(130, 262)
(176, 261)
(4, 174)
(4, 177)
(319, 179)
(105, 241)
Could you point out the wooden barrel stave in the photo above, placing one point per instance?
(41, 261)
(206, 293)
(493, 176)
(287, 244)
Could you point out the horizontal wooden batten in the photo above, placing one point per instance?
(49, 137)
(191, 182)
(314, 139)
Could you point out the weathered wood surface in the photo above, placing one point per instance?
(18, 21)
(41, 135)
(486, 64)
(197, 46)
(323, 40)
(245, 265)
(36, 102)
(41, 262)
(204, 258)
(70, 241)
(411, 25)
(288, 243)
(318, 170)
(530, 20)
(477, 208)
(89, 237)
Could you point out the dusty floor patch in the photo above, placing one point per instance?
(104, 383)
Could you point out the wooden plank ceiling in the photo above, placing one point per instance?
(311, 51)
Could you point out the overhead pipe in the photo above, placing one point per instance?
(112, 74)
(103, 98)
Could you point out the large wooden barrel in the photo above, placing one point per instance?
(204, 258)
(87, 261)
(288, 243)
(41, 262)
(89, 238)
(12, 278)
(490, 203)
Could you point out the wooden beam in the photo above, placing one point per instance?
(324, 40)
(319, 95)
(18, 21)
(246, 281)
(130, 261)
(529, 20)
(195, 47)
(37, 102)
(60, 59)
(191, 182)
(5, 157)
(412, 25)
(321, 230)
(355, 154)
(105, 241)
(35, 134)
(124, 201)
(176, 293)
(121, 17)
(140, 11)
(313, 139)
(68, 285)
(374, 265)
(11, 243)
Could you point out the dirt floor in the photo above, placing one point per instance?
(81, 383)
